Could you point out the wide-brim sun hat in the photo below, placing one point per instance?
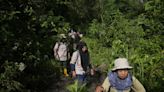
(121, 63)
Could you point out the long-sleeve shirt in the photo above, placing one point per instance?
(136, 86)
(76, 60)
(60, 51)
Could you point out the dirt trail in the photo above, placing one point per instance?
(60, 85)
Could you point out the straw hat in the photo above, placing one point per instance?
(121, 63)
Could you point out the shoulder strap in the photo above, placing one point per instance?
(57, 50)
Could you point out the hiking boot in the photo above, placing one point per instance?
(65, 72)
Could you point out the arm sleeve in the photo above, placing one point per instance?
(55, 49)
(137, 86)
(73, 60)
(56, 46)
(106, 85)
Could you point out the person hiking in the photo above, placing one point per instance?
(80, 63)
(119, 79)
(61, 53)
(75, 36)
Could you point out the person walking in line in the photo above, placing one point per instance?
(75, 37)
(119, 79)
(80, 63)
(61, 53)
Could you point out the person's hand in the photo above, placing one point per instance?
(99, 89)
(73, 74)
(92, 72)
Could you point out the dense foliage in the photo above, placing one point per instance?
(114, 28)
(136, 36)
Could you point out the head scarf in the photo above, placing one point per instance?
(85, 60)
(120, 84)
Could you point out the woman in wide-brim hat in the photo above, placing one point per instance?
(119, 79)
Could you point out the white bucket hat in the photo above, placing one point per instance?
(121, 63)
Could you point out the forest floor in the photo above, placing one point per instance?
(61, 85)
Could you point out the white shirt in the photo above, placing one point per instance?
(76, 59)
(60, 51)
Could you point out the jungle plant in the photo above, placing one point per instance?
(77, 87)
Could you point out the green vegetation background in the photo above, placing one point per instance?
(113, 28)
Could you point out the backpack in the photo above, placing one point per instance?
(58, 50)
